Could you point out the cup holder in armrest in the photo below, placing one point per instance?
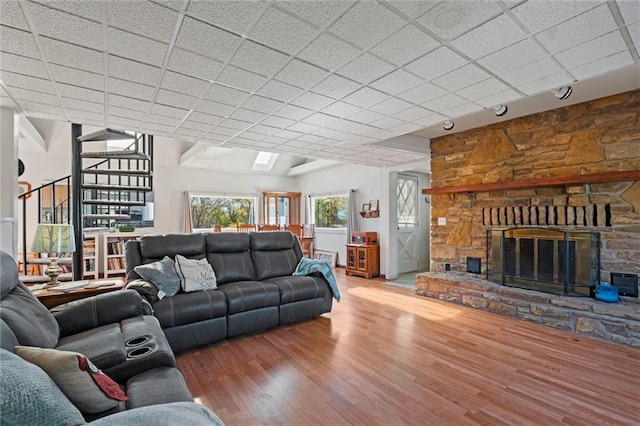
(137, 341)
(141, 351)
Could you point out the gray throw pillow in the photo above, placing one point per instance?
(195, 274)
(161, 274)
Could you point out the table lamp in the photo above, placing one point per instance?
(53, 239)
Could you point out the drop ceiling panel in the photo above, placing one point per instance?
(207, 119)
(12, 15)
(81, 105)
(169, 97)
(629, 10)
(593, 50)
(365, 97)
(366, 24)
(240, 79)
(154, 119)
(22, 65)
(247, 115)
(93, 10)
(422, 93)
(390, 106)
(18, 42)
(329, 52)
(125, 88)
(129, 103)
(66, 27)
(126, 113)
(396, 82)
(61, 53)
(335, 87)
(494, 35)
(413, 113)
(198, 37)
(444, 103)
(282, 31)
(313, 101)
(404, 46)
(145, 50)
(603, 65)
(301, 74)
(450, 19)
(279, 91)
(462, 77)
(30, 95)
(253, 56)
(143, 18)
(262, 104)
(436, 63)
(318, 13)
(227, 95)
(482, 89)
(77, 77)
(133, 71)
(169, 111)
(80, 93)
(514, 56)
(189, 63)
(540, 15)
(293, 112)
(183, 84)
(366, 68)
(531, 72)
(19, 80)
(320, 119)
(555, 80)
(341, 109)
(498, 98)
(214, 108)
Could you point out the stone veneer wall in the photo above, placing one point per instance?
(615, 322)
(592, 137)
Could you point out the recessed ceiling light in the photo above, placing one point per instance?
(448, 125)
(500, 110)
(563, 92)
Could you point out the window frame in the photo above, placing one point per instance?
(312, 216)
(254, 200)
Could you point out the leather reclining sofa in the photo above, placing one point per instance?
(256, 289)
(114, 331)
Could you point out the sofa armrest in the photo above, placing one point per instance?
(96, 311)
(186, 413)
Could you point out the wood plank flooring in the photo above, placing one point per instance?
(384, 356)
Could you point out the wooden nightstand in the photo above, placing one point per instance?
(53, 297)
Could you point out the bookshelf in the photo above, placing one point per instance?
(113, 252)
(90, 269)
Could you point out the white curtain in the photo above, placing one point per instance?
(352, 223)
(186, 206)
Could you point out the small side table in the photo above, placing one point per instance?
(52, 297)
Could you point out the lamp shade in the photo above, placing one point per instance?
(53, 238)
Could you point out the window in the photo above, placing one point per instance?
(208, 211)
(330, 211)
(407, 196)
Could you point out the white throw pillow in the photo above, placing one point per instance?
(195, 275)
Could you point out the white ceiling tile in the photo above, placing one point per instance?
(280, 91)
(531, 72)
(365, 69)
(82, 105)
(335, 87)
(224, 131)
(278, 122)
(262, 104)
(288, 134)
(22, 65)
(11, 15)
(326, 141)
(65, 27)
(372, 132)
(365, 97)
(274, 140)
(129, 45)
(327, 133)
(366, 117)
(319, 13)
(30, 95)
(77, 77)
(126, 88)
(311, 138)
(406, 45)
(546, 83)
(461, 110)
(58, 52)
(183, 84)
(387, 122)
(227, 95)
(629, 10)
(328, 52)
(158, 128)
(207, 119)
(263, 60)
(33, 83)
(619, 60)
(163, 120)
(93, 10)
(592, 50)
(81, 115)
(43, 108)
(143, 18)
(462, 77)
(449, 19)
(405, 128)
(312, 101)
(430, 120)
(341, 109)
(127, 123)
(445, 102)
(247, 115)
(396, 82)
(412, 114)
(582, 28)
(303, 127)
(538, 15)
(344, 125)
(293, 112)
(199, 37)
(7, 102)
(133, 71)
(482, 89)
(252, 136)
(129, 103)
(301, 74)
(498, 98)
(422, 93)
(390, 106)
(413, 9)
(126, 113)
(634, 30)
(169, 111)
(436, 63)
(192, 64)
(80, 93)
(320, 119)
(514, 56)
(168, 97)
(494, 35)
(236, 16)
(214, 108)
(189, 133)
(282, 31)
(366, 24)
(241, 79)
(18, 42)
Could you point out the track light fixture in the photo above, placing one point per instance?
(448, 125)
(500, 110)
(563, 92)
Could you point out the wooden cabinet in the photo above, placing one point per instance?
(281, 208)
(363, 260)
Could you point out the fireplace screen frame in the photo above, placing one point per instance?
(556, 261)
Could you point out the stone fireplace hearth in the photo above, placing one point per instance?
(614, 322)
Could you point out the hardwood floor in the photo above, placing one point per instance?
(385, 356)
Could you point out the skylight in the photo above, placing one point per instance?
(264, 161)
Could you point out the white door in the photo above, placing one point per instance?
(407, 194)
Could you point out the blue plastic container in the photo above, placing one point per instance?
(607, 293)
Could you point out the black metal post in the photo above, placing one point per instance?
(76, 183)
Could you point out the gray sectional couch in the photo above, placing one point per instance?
(256, 286)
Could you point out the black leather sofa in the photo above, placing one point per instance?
(113, 330)
(256, 288)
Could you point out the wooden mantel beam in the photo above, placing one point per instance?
(621, 176)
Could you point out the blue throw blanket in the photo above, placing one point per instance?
(309, 266)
